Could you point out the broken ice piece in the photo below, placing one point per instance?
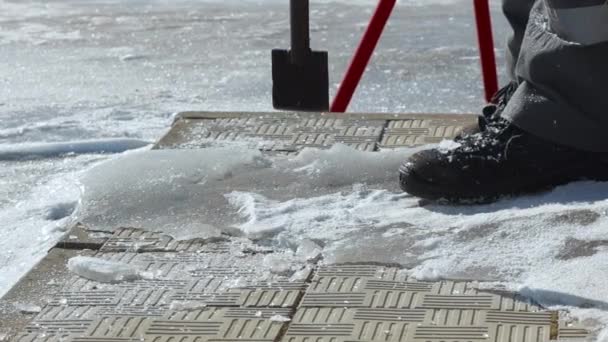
(278, 263)
(300, 275)
(280, 318)
(308, 250)
(26, 308)
(104, 271)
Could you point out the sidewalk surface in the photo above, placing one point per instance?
(209, 289)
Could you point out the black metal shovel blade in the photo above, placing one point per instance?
(300, 87)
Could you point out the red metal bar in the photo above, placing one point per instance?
(362, 56)
(486, 47)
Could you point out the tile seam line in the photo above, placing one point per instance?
(296, 306)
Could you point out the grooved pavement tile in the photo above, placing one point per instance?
(374, 303)
(275, 131)
(218, 296)
(236, 287)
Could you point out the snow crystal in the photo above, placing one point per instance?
(105, 271)
(279, 318)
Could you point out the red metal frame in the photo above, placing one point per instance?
(486, 47)
(362, 56)
(372, 35)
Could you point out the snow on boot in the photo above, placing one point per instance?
(500, 160)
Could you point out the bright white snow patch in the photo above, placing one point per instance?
(279, 318)
(448, 145)
(105, 271)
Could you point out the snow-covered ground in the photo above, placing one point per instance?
(82, 81)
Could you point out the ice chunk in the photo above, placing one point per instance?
(177, 192)
(301, 275)
(279, 263)
(105, 271)
(308, 250)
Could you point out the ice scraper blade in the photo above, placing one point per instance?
(300, 76)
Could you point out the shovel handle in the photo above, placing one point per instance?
(300, 31)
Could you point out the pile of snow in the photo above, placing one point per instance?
(105, 271)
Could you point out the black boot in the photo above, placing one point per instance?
(500, 160)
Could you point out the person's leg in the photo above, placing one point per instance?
(563, 71)
(517, 13)
(553, 128)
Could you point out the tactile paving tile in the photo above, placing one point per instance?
(138, 240)
(145, 310)
(374, 303)
(219, 324)
(424, 129)
(275, 131)
(210, 296)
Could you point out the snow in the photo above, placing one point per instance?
(50, 150)
(279, 318)
(105, 271)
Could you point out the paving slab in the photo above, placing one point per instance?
(30, 295)
(290, 132)
(373, 303)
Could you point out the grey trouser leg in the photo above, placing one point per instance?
(517, 13)
(562, 67)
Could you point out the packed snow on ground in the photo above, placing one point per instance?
(105, 271)
(188, 193)
(344, 205)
